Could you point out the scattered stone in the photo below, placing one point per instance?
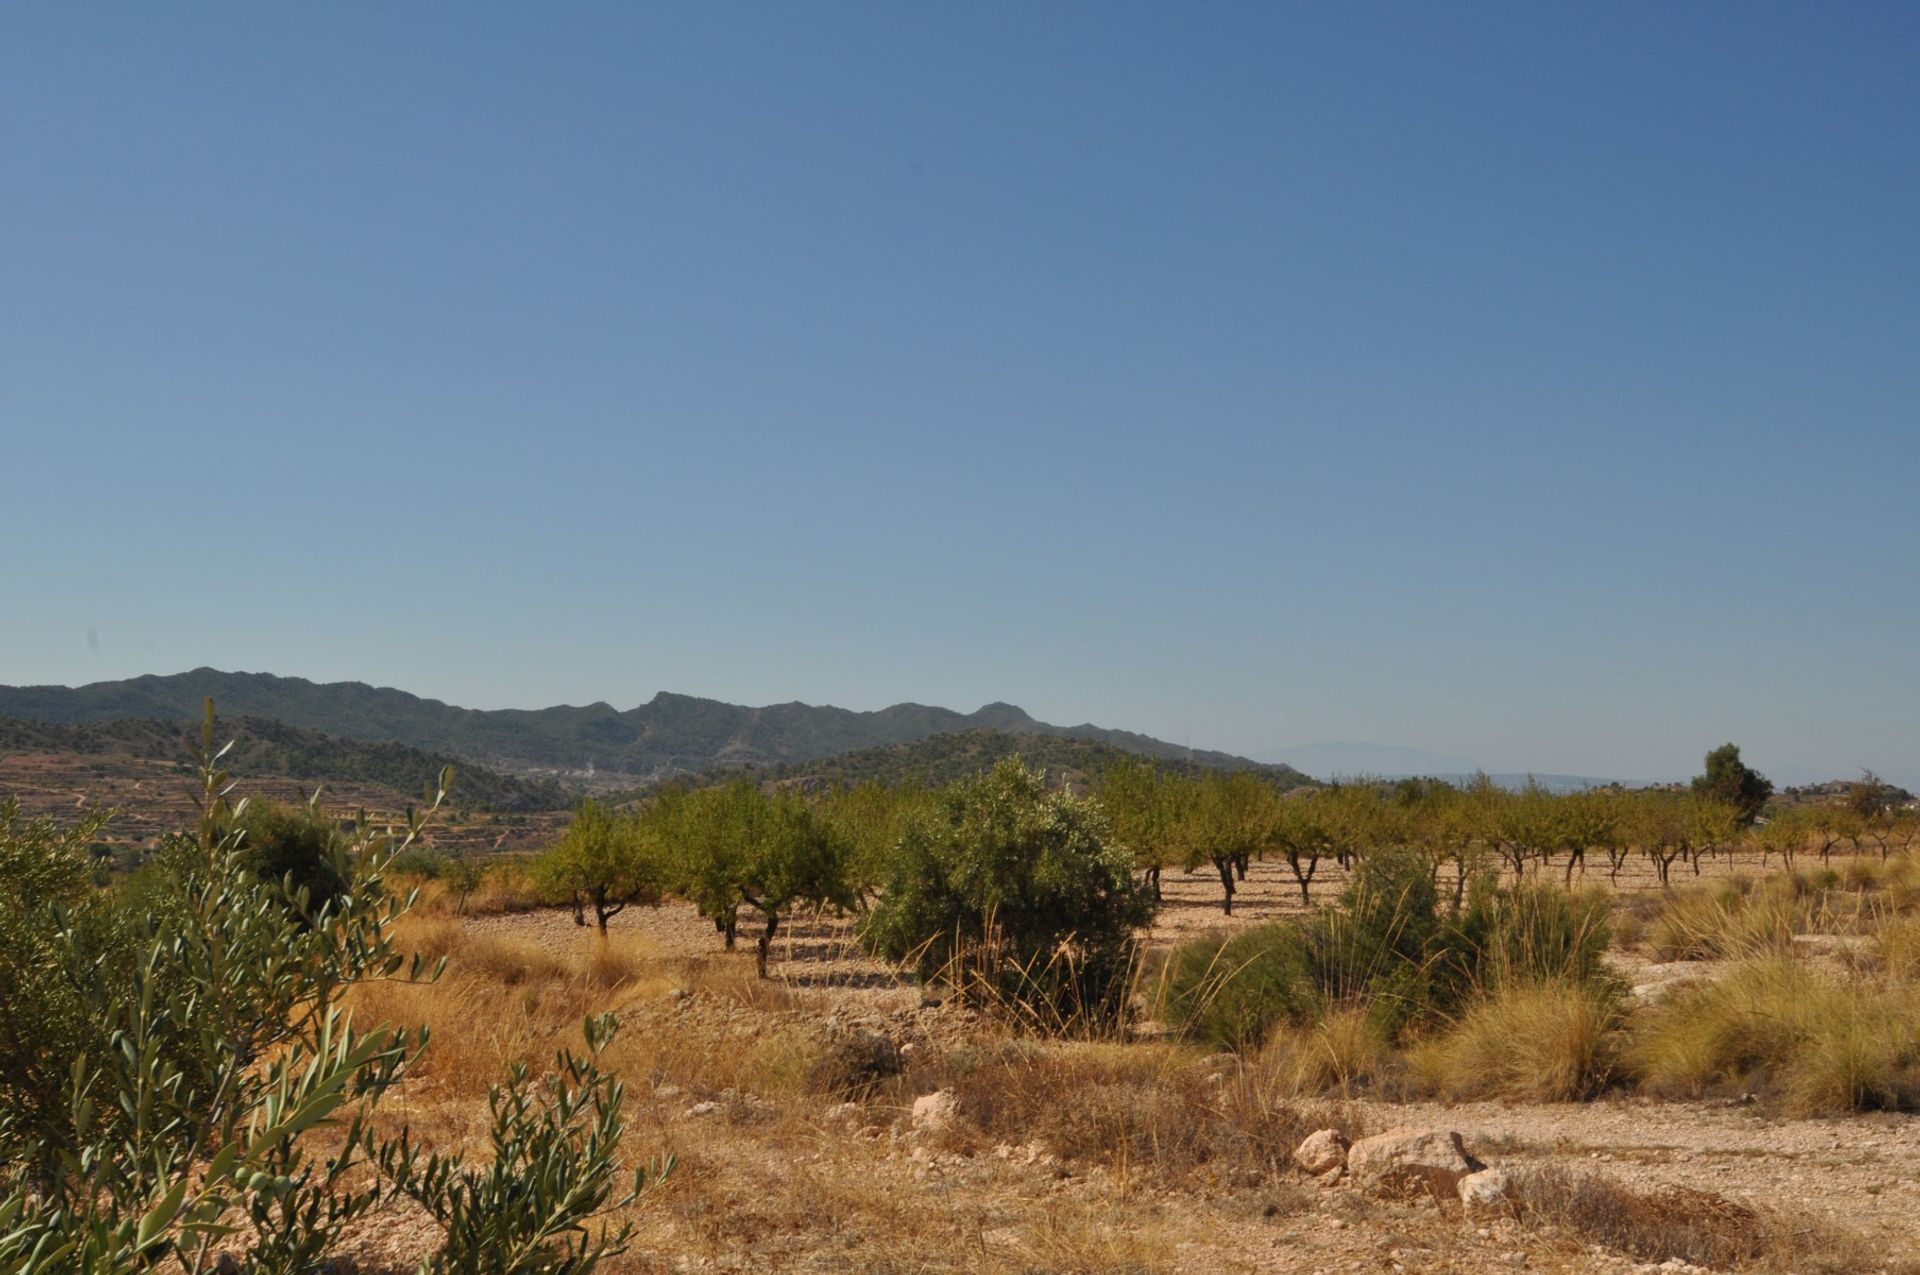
(1411, 1161)
(934, 1110)
(1488, 1191)
(844, 1113)
(703, 1108)
(1322, 1151)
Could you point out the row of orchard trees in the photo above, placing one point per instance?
(726, 847)
(1224, 820)
(777, 852)
(1009, 889)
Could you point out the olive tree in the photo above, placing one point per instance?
(206, 1044)
(1017, 895)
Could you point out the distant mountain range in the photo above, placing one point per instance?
(669, 734)
(1391, 761)
(1331, 761)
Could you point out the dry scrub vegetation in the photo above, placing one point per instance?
(1149, 1150)
(963, 1042)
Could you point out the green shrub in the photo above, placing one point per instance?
(1231, 990)
(1387, 951)
(1019, 896)
(300, 849)
(1378, 947)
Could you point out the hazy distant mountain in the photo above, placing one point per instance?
(668, 734)
(1390, 761)
(1330, 761)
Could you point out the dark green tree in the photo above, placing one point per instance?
(1732, 781)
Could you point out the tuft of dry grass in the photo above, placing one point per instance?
(1729, 919)
(502, 1000)
(1895, 950)
(1697, 1227)
(1538, 1042)
(1344, 1052)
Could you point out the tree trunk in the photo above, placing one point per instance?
(1225, 868)
(766, 941)
(1304, 878)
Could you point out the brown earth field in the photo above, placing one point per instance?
(1138, 1156)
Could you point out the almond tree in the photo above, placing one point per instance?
(1146, 806)
(604, 859)
(738, 845)
(1232, 819)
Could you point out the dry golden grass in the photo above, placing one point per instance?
(1343, 1053)
(1820, 1045)
(1162, 1143)
(1541, 1042)
(1135, 1109)
(1698, 1227)
(502, 1000)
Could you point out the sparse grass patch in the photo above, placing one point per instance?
(1136, 1108)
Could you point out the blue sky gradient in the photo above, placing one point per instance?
(1534, 383)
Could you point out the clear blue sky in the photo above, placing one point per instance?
(1539, 383)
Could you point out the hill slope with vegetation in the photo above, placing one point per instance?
(269, 748)
(942, 759)
(667, 735)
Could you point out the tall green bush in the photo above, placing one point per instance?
(1017, 895)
